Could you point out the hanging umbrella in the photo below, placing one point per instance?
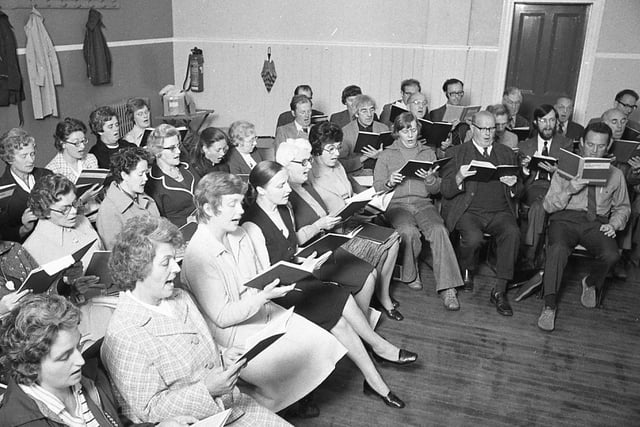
(268, 73)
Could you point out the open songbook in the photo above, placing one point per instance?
(412, 166)
(536, 159)
(261, 340)
(487, 171)
(594, 169)
(287, 272)
(90, 177)
(459, 112)
(434, 132)
(217, 420)
(372, 139)
(624, 150)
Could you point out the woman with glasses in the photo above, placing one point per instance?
(412, 213)
(138, 113)
(243, 156)
(171, 183)
(61, 229)
(209, 153)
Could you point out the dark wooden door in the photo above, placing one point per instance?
(546, 52)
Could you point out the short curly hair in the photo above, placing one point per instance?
(65, 128)
(239, 130)
(210, 190)
(99, 117)
(322, 134)
(12, 141)
(27, 334)
(133, 105)
(135, 247)
(126, 160)
(155, 142)
(47, 191)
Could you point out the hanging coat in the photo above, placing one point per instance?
(42, 67)
(96, 52)
(11, 89)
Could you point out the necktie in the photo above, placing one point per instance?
(545, 152)
(591, 203)
(305, 130)
(485, 153)
(561, 128)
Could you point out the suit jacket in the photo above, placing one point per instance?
(437, 114)
(286, 117)
(341, 118)
(349, 159)
(12, 208)
(530, 146)
(574, 131)
(236, 163)
(457, 200)
(385, 116)
(288, 131)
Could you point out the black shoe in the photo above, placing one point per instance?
(529, 286)
(467, 279)
(393, 314)
(390, 399)
(502, 304)
(395, 303)
(405, 357)
(619, 270)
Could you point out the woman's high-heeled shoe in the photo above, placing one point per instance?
(392, 314)
(405, 357)
(390, 399)
(395, 303)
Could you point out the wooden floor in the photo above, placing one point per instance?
(477, 368)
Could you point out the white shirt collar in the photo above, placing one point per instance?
(26, 186)
(481, 149)
(541, 144)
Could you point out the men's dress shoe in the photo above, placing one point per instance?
(467, 279)
(416, 284)
(393, 314)
(390, 399)
(405, 357)
(502, 304)
(529, 286)
(547, 319)
(619, 271)
(588, 297)
(450, 300)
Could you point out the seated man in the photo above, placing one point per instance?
(454, 91)
(566, 126)
(349, 95)
(407, 88)
(104, 125)
(503, 135)
(536, 181)
(286, 117)
(626, 102)
(365, 120)
(616, 120)
(299, 128)
(512, 100)
(586, 215)
(472, 208)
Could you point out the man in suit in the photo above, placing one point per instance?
(454, 91)
(349, 95)
(299, 127)
(586, 215)
(407, 88)
(566, 126)
(286, 117)
(472, 208)
(512, 99)
(626, 101)
(503, 135)
(616, 120)
(365, 113)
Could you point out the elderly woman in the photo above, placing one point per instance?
(125, 197)
(242, 156)
(18, 151)
(365, 113)
(269, 224)
(51, 383)
(160, 355)
(61, 229)
(208, 154)
(105, 126)
(171, 183)
(411, 210)
(137, 112)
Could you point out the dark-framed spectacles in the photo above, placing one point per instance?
(66, 209)
(173, 147)
(487, 130)
(304, 162)
(82, 141)
(458, 93)
(633, 107)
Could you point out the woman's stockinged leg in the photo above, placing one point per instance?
(385, 275)
(363, 297)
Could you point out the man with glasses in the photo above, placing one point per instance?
(472, 208)
(626, 101)
(586, 215)
(454, 91)
(299, 128)
(512, 100)
(407, 88)
(285, 117)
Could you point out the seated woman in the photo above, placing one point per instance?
(171, 183)
(242, 156)
(125, 197)
(411, 210)
(159, 353)
(208, 154)
(18, 151)
(15, 265)
(138, 112)
(61, 229)
(270, 225)
(105, 126)
(326, 191)
(51, 383)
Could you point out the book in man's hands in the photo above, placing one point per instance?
(90, 177)
(631, 134)
(487, 171)
(40, 279)
(375, 140)
(536, 159)
(593, 169)
(271, 333)
(6, 191)
(396, 110)
(287, 272)
(412, 166)
(459, 112)
(434, 132)
(624, 150)
(147, 132)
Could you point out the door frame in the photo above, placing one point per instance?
(595, 11)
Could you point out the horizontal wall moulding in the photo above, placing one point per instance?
(122, 43)
(616, 55)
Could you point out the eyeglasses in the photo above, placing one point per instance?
(173, 147)
(487, 130)
(633, 107)
(66, 209)
(409, 131)
(332, 148)
(304, 163)
(82, 141)
(459, 93)
(420, 103)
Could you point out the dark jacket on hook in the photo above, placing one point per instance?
(11, 89)
(96, 52)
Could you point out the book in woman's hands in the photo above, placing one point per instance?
(217, 420)
(487, 171)
(412, 166)
(287, 272)
(90, 177)
(328, 242)
(99, 266)
(261, 340)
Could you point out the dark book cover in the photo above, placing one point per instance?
(434, 132)
(623, 150)
(375, 140)
(374, 232)
(350, 209)
(412, 166)
(326, 243)
(99, 266)
(396, 110)
(536, 159)
(287, 272)
(522, 133)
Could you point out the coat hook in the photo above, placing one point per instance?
(269, 54)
